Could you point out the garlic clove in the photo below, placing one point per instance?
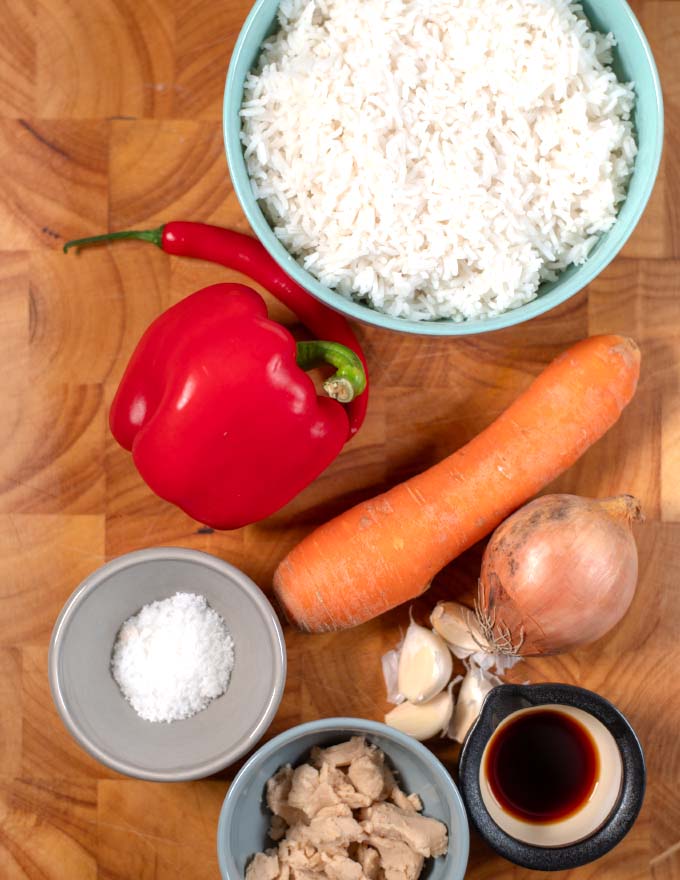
(425, 664)
(476, 685)
(424, 720)
(390, 670)
(459, 627)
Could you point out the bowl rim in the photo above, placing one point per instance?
(228, 868)
(90, 584)
(240, 180)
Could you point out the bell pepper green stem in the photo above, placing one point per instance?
(349, 379)
(155, 236)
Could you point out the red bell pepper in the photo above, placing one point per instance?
(219, 414)
(215, 406)
(245, 254)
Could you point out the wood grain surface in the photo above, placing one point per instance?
(110, 117)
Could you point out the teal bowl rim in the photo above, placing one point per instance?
(229, 870)
(590, 270)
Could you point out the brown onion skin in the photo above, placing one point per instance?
(561, 572)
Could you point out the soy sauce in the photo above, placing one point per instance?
(542, 766)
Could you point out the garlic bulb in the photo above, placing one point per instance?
(424, 720)
(425, 664)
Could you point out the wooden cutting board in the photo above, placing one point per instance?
(110, 118)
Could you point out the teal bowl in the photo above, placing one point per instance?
(244, 820)
(633, 61)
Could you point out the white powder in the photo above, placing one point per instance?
(173, 658)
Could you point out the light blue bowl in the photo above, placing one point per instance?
(244, 820)
(633, 61)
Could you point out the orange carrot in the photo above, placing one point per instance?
(386, 551)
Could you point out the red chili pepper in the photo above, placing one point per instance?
(246, 255)
(219, 414)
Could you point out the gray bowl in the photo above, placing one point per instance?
(244, 820)
(93, 708)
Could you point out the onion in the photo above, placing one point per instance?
(559, 573)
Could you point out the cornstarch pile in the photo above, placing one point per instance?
(173, 658)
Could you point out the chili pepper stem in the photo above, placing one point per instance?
(155, 236)
(349, 379)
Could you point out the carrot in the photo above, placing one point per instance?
(387, 550)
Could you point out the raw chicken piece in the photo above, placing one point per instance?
(323, 831)
(366, 775)
(277, 828)
(342, 868)
(300, 857)
(389, 782)
(308, 793)
(343, 754)
(415, 801)
(278, 789)
(264, 866)
(427, 837)
(369, 859)
(399, 799)
(408, 803)
(334, 810)
(399, 861)
(344, 789)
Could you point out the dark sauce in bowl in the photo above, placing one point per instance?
(542, 766)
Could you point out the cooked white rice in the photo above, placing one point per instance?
(438, 158)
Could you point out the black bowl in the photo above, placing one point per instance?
(508, 698)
